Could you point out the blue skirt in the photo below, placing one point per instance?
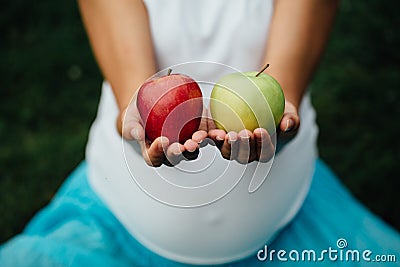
(331, 229)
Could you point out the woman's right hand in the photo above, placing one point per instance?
(160, 151)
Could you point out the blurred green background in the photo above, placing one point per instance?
(50, 88)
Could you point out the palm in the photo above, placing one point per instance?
(246, 146)
(160, 151)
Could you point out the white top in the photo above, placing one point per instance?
(210, 210)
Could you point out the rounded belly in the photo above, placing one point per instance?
(213, 213)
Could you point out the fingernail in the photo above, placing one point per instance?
(164, 140)
(177, 153)
(160, 146)
(244, 138)
(192, 150)
(219, 138)
(135, 134)
(231, 139)
(163, 143)
(289, 125)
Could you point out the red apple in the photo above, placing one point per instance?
(170, 106)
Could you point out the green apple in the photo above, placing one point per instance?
(247, 100)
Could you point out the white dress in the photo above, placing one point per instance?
(210, 210)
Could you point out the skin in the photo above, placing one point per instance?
(119, 34)
(298, 34)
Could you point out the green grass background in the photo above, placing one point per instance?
(49, 89)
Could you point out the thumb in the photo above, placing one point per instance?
(129, 127)
(288, 126)
(290, 121)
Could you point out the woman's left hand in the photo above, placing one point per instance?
(246, 146)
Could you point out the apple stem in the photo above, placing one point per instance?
(169, 72)
(266, 66)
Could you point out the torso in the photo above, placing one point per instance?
(210, 217)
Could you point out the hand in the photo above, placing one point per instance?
(246, 146)
(160, 151)
(289, 125)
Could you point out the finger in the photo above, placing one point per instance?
(218, 136)
(191, 150)
(131, 128)
(289, 126)
(134, 132)
(129, 119)
(228, 149)
(289, 123)
(153, 153)
(264, 146)
(246, 152)
(199, 136)
(190, 145)
(174, 153)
